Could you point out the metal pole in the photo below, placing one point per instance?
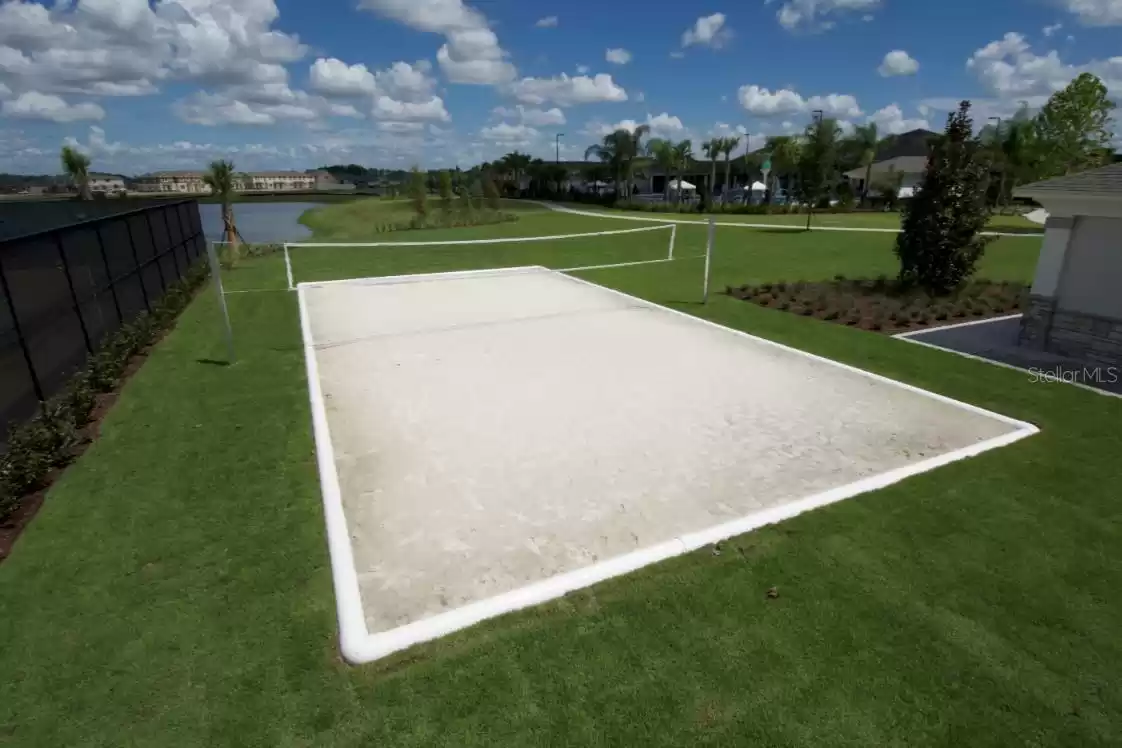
(19, 335)
(673, 239)
(155, 254)
(73, 294)
(136, 265)
(109, 274)
(171, 245)
(708, 258)
(557, 143)
(217, 273)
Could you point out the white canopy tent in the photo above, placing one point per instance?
(759, 187)
(686, 186)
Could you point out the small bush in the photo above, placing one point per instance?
(49, 440)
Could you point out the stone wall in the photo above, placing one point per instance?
(1097, 340)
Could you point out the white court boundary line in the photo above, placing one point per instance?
(359, 646)
(787, 227)
(910, 337)
(495, 240)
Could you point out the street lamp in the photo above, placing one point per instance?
(557, 143)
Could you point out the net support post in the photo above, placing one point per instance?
(673, 239)
(216, 273)
(288, 269)
(708, 259)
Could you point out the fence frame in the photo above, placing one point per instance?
(192, 242)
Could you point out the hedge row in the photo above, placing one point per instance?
(51, 439)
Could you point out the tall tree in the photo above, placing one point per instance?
(446, 192)
(683, 155)
(728, 145)
(618, 150)
(77, 166)
(818, 164)
(712, 150)
(1014, 150)
(222, 180)
(419, 193)
(864, 141)
(785, 151)
(663, 153)
(939, 246)
(1073, 128)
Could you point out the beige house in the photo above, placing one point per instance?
(911, 167)
(190, 182)
(1076, 304)
(279, 181)
(107, 184)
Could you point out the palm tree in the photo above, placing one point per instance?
(515, 164)
(712, 149)
(77, 166)
(221, 180)
(619, 150)
(865, 141)
(785, 151)
(663, 153)
(728, 145)
(683, 154)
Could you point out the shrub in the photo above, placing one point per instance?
(49, 439)
(939, 247)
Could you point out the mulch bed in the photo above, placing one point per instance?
(881, 304)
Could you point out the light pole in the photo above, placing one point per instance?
(557, 143)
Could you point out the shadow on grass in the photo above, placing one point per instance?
(212, 362)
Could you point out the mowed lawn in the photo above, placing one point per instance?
(175, 590)
(1014, 224)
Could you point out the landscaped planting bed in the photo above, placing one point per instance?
(883, 304)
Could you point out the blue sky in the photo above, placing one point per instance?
(297, 83)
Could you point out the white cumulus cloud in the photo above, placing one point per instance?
(1096, 12)
(40, 106)
(549, 22)
(618, 56)
(898, 62)
(891, 121)
(818, 14)
(409, 111)
(783, 102)
(565, 91)
(1010, 70)
(708, 31)
(471, 53)
(532, 117)
(509, 134)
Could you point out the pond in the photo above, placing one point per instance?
(259, 222)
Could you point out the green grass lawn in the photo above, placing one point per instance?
(1000, 223)
(340, 222)
(175, 590)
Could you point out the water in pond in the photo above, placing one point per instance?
(259, 222)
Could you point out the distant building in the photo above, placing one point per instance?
(107, 184)
(904, 154)
(190, 182)
(279, 181)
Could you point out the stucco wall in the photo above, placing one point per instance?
(1091, 281)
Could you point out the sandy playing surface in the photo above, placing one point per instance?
(491, 431)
